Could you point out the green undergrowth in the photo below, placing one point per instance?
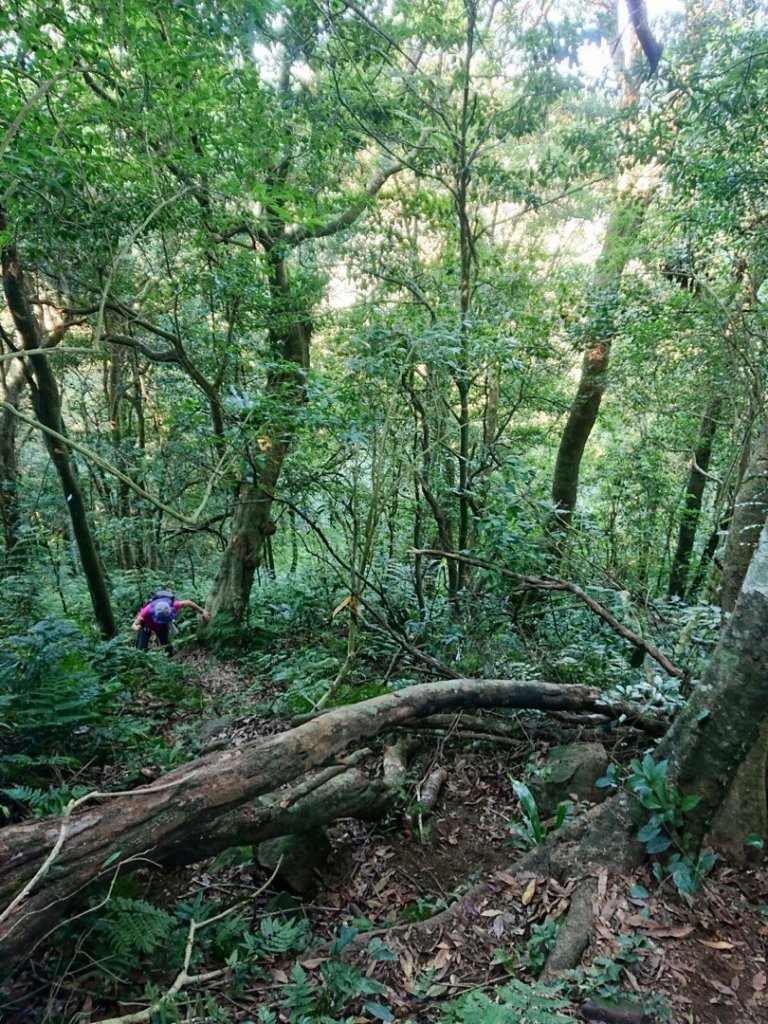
(276, 967)
(294, 643)
(79, 714)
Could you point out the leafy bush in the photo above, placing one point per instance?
(665, 827)
(66, 701)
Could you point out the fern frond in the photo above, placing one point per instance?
(136, 927)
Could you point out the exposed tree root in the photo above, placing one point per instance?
(575, 932)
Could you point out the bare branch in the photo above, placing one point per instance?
(552, 583)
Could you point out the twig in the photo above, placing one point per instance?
(184, 978)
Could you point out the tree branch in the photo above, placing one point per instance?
(552, 583)
(638, 15)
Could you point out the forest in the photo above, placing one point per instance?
(384, 504)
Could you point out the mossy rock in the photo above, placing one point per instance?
(570, 772)
(303, 854)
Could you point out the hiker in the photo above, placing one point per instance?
(157, 617)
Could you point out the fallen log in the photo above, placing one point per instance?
(203, 807)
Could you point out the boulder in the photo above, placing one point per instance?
(570, 772)
(303, 854)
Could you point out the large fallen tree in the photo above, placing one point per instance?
(225, 799)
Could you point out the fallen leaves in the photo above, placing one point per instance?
(720, 944)
(530, 892)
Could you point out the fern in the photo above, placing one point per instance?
(344, 982)
(516, 1001)
(275, 936)
(134, 927)
(45, 801)
(300, 995)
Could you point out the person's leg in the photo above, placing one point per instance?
(164, 636)
(143, 637)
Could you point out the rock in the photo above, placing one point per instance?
(570, 771)
(303, 855)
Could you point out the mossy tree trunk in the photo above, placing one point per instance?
(290, 338)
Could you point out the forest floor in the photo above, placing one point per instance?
(704, 959)
(701, 961)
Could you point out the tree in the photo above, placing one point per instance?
(47, 404)
(620, 233)
(201, 808)
(694, 493)
(12, 387)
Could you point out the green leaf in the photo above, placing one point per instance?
(379, 950)
(379, 1011)
(658, 845)
(638, 892)
(648, 832)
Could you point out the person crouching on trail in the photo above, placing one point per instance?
(157, 617)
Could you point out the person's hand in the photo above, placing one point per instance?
(135, 626)
(206, 616)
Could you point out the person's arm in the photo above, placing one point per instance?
(141, 615)
(191, 604)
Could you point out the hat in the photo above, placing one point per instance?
(162, 611)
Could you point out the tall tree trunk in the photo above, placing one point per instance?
(722, 721)
(463, 377)
(618, 245)
(251, 525)
(47, 405)
(11, 388)
(620, 234)
(749, 511)
(694, 494)
(115, 388)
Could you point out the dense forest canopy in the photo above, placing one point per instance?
(413, 342)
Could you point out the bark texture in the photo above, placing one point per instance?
(252, 524)
(694, 494)
(10, 390)
(749, 512)
(721, 722)
(745, 811)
